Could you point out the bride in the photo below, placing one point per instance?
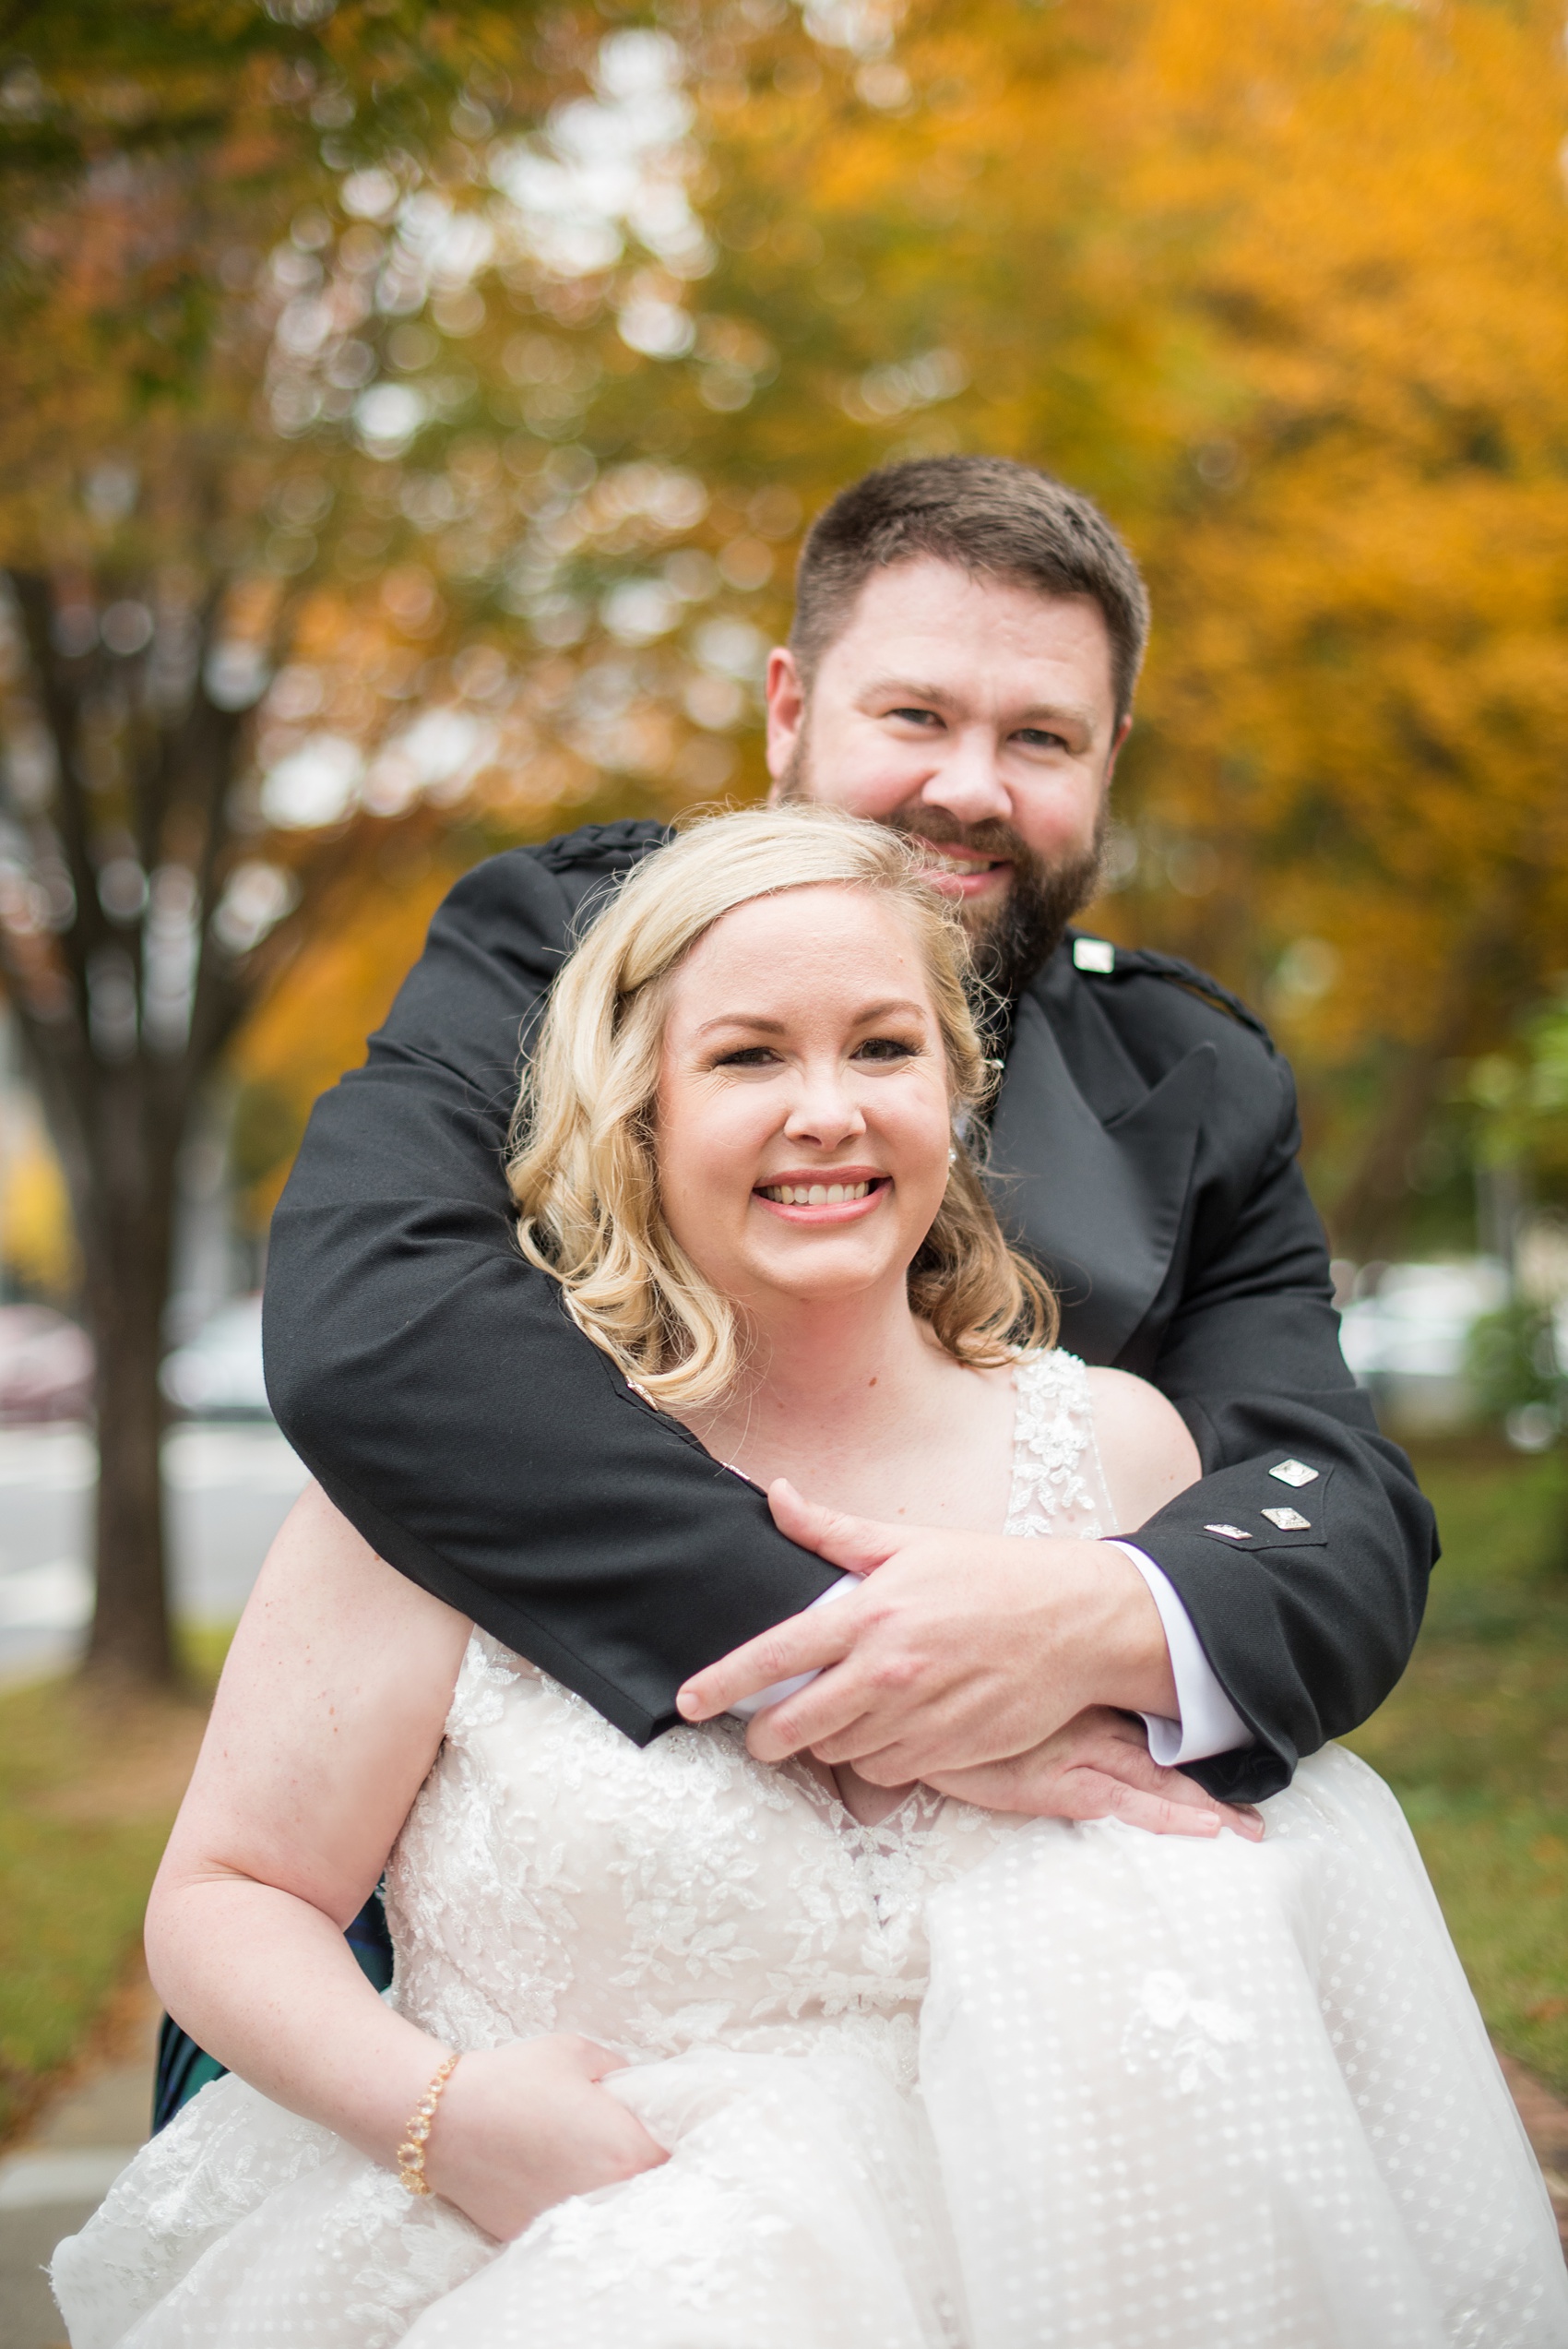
(685, 2052)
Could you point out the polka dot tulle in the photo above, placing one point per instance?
(948, 2083)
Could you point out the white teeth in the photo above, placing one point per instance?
(813, 1194)
(959, 865)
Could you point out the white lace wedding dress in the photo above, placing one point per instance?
(950, 2079)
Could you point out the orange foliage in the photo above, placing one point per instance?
(313, 1026)
(1287, 290)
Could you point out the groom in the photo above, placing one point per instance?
(965, 646)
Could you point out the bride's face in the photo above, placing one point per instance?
(803, 1114)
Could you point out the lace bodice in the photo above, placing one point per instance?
(553, 1876)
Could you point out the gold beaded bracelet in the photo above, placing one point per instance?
(411, 2153)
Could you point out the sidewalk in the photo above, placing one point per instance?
(55, 2178)
(51, 2183)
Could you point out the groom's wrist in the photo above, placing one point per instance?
(1129, 1657)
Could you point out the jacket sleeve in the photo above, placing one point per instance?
(429, 1378)
(1307, 1623)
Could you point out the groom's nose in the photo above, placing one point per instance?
(966, 779)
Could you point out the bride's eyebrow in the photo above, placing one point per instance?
(748, 1020)
(890, 1009)
(756, 1024)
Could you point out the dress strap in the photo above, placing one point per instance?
(1058, 1484)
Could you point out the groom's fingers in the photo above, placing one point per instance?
(856, 1543)
(1113, 1798)
(802, 1643)
(1125, 1785)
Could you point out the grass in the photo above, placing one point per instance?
(1474, 1740)
(89, 1789)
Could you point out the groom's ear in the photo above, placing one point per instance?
(785, 694)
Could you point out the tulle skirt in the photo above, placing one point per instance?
(1172, 2095)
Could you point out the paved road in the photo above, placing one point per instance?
(230, 1487)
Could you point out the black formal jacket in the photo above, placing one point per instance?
(1143, 1149)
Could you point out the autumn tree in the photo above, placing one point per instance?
(1288, 293)
(226, 676)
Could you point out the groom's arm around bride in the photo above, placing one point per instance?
(962, 667)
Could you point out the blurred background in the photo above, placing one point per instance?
(408, 417)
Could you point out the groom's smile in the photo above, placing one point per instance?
(966, 874)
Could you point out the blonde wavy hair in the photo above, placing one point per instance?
(583, 1166)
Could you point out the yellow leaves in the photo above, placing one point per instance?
(313, 1024)
(36, 1239)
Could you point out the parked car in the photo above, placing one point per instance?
(1406, 1341)
(45, 1365)
(217, 1375)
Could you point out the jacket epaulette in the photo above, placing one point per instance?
(1139, 962)
(603, 848)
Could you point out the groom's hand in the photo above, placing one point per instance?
(960, 1649)
(1099, 1766)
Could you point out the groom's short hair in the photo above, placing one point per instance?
(986, 515)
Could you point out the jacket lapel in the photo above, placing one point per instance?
(1099, 1206)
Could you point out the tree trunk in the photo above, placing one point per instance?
(128, 1237)
(1372, 1203)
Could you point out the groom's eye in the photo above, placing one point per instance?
(916, 717)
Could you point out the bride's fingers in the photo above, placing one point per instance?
(857, 1543)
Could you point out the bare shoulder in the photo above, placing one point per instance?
(1145, 1449)
(322, 1582)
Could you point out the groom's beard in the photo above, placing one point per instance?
(1014, 939)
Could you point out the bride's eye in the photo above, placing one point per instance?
(749, 1056)
(886, 1048)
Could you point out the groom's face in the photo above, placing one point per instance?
(977, 717)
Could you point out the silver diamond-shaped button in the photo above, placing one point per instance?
(1289, 1521)
(1295, 1472)
(1231, 1532)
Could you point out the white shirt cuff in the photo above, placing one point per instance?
(1210, 1722)
(743, 1706)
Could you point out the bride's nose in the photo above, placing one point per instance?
(825, 1110)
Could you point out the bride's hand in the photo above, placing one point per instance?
(1099, 1766)
(521, 2128)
